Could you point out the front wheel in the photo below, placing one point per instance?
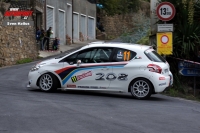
(141, 88)
(47, 82)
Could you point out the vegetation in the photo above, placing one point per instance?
(140, 30)
(22, 61)
(112, 7)
(186, 40)
(187, 28)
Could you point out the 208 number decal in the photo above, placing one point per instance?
(100, 76)
(111, 76)
(122, 76)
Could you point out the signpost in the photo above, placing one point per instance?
(165, 12)
(189, 69)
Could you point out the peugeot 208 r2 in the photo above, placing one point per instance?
(99, 66)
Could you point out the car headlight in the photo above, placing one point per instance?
(36, 67)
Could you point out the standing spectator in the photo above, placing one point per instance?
(101, 28)
(56, 42)
(38, 33)
(42, 40)
(47, 37)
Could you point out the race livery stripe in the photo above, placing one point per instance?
(70, 67)
(66, 73)
(87, 68)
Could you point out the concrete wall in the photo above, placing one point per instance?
(62, 5)
(85, 8)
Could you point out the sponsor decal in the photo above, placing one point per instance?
(119, 55)
(138, 57)
(71, 86)
(161, 78)
(95, 87)
(83, 86)
(162, 84)
(102, 87)
(80, 77)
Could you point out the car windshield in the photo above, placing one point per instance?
(154, 56)
(66, 53)
(61, 55)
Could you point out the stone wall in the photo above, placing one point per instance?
(16, 43)
(115, 25)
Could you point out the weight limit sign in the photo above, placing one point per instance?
(165, 11)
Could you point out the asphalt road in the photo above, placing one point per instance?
(24, 110)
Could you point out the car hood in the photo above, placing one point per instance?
(49, 61)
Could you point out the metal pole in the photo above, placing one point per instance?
(194, 85)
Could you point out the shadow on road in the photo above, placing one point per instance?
(99, 94)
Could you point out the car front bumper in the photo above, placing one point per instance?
(33, 77)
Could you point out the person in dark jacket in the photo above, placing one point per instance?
(38, 33)
(42, 40)
(56, 42)
(47, 37)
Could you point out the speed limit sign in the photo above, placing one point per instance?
(165, 11)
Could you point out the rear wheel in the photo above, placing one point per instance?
(48, 82)
(141, 88)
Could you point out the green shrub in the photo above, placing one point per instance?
(140, 30)
(26, 60)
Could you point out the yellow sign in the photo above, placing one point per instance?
(164, 43)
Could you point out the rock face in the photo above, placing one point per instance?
(16, 42)
(116, 25)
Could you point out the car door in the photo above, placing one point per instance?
(122, 69)
(90, 72)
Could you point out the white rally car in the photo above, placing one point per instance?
(100, 66)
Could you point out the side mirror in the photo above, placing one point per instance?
(78, 63)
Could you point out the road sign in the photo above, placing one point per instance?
(184, 64)
(164, 43)
(165, 27)
(189, 69)
(165, 11)
(189, 72)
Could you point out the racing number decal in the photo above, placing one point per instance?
(127, 55)
(100, 76)
(122, 76)
(112, 76)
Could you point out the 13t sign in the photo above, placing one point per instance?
(165, 11)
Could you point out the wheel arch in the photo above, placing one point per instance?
(129, 86)
(58, 80)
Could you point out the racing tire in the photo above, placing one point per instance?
(48, 82)
(141, 88)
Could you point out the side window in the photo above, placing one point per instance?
(86, 56)
(94, 55)
(123, 55)
(102, 55)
